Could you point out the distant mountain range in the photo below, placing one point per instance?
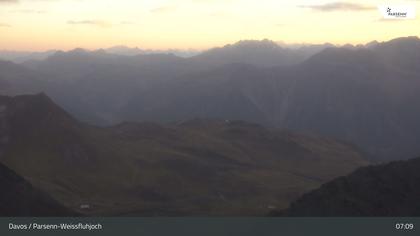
(264, 53)
(197, 167)
(366, 95)
(259, 47)
(383, 190)
(24, 57)
(244, 129)
(127, 51)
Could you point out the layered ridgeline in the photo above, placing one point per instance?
(19, 198)
(384, 190)
(366, 95)
(199, 167)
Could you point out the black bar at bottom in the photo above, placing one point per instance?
(204, 226)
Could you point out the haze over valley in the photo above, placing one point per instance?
(208, 108)
(274, 122)
(309, 89)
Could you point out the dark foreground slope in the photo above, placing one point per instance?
(199, 167)
(19, 198)
(384, 190)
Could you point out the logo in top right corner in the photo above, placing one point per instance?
(398, 12)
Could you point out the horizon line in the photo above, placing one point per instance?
(277, 42)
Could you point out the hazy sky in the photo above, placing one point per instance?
(198, 24)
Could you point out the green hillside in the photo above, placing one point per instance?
(199, 167)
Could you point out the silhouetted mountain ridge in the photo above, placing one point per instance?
(384, 190)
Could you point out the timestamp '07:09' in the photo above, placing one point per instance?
(404, 226)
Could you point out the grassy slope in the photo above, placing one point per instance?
(194, 168)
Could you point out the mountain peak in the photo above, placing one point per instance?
(261, 53)
(35, 111)
(39, 97)
(410, 43)
(349, 56)
(265, 43)
(405, 39)
(78, 51)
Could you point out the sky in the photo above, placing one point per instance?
(37, 25)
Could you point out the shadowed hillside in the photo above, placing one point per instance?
(19, 198)
(198, 167)
(383, 190)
